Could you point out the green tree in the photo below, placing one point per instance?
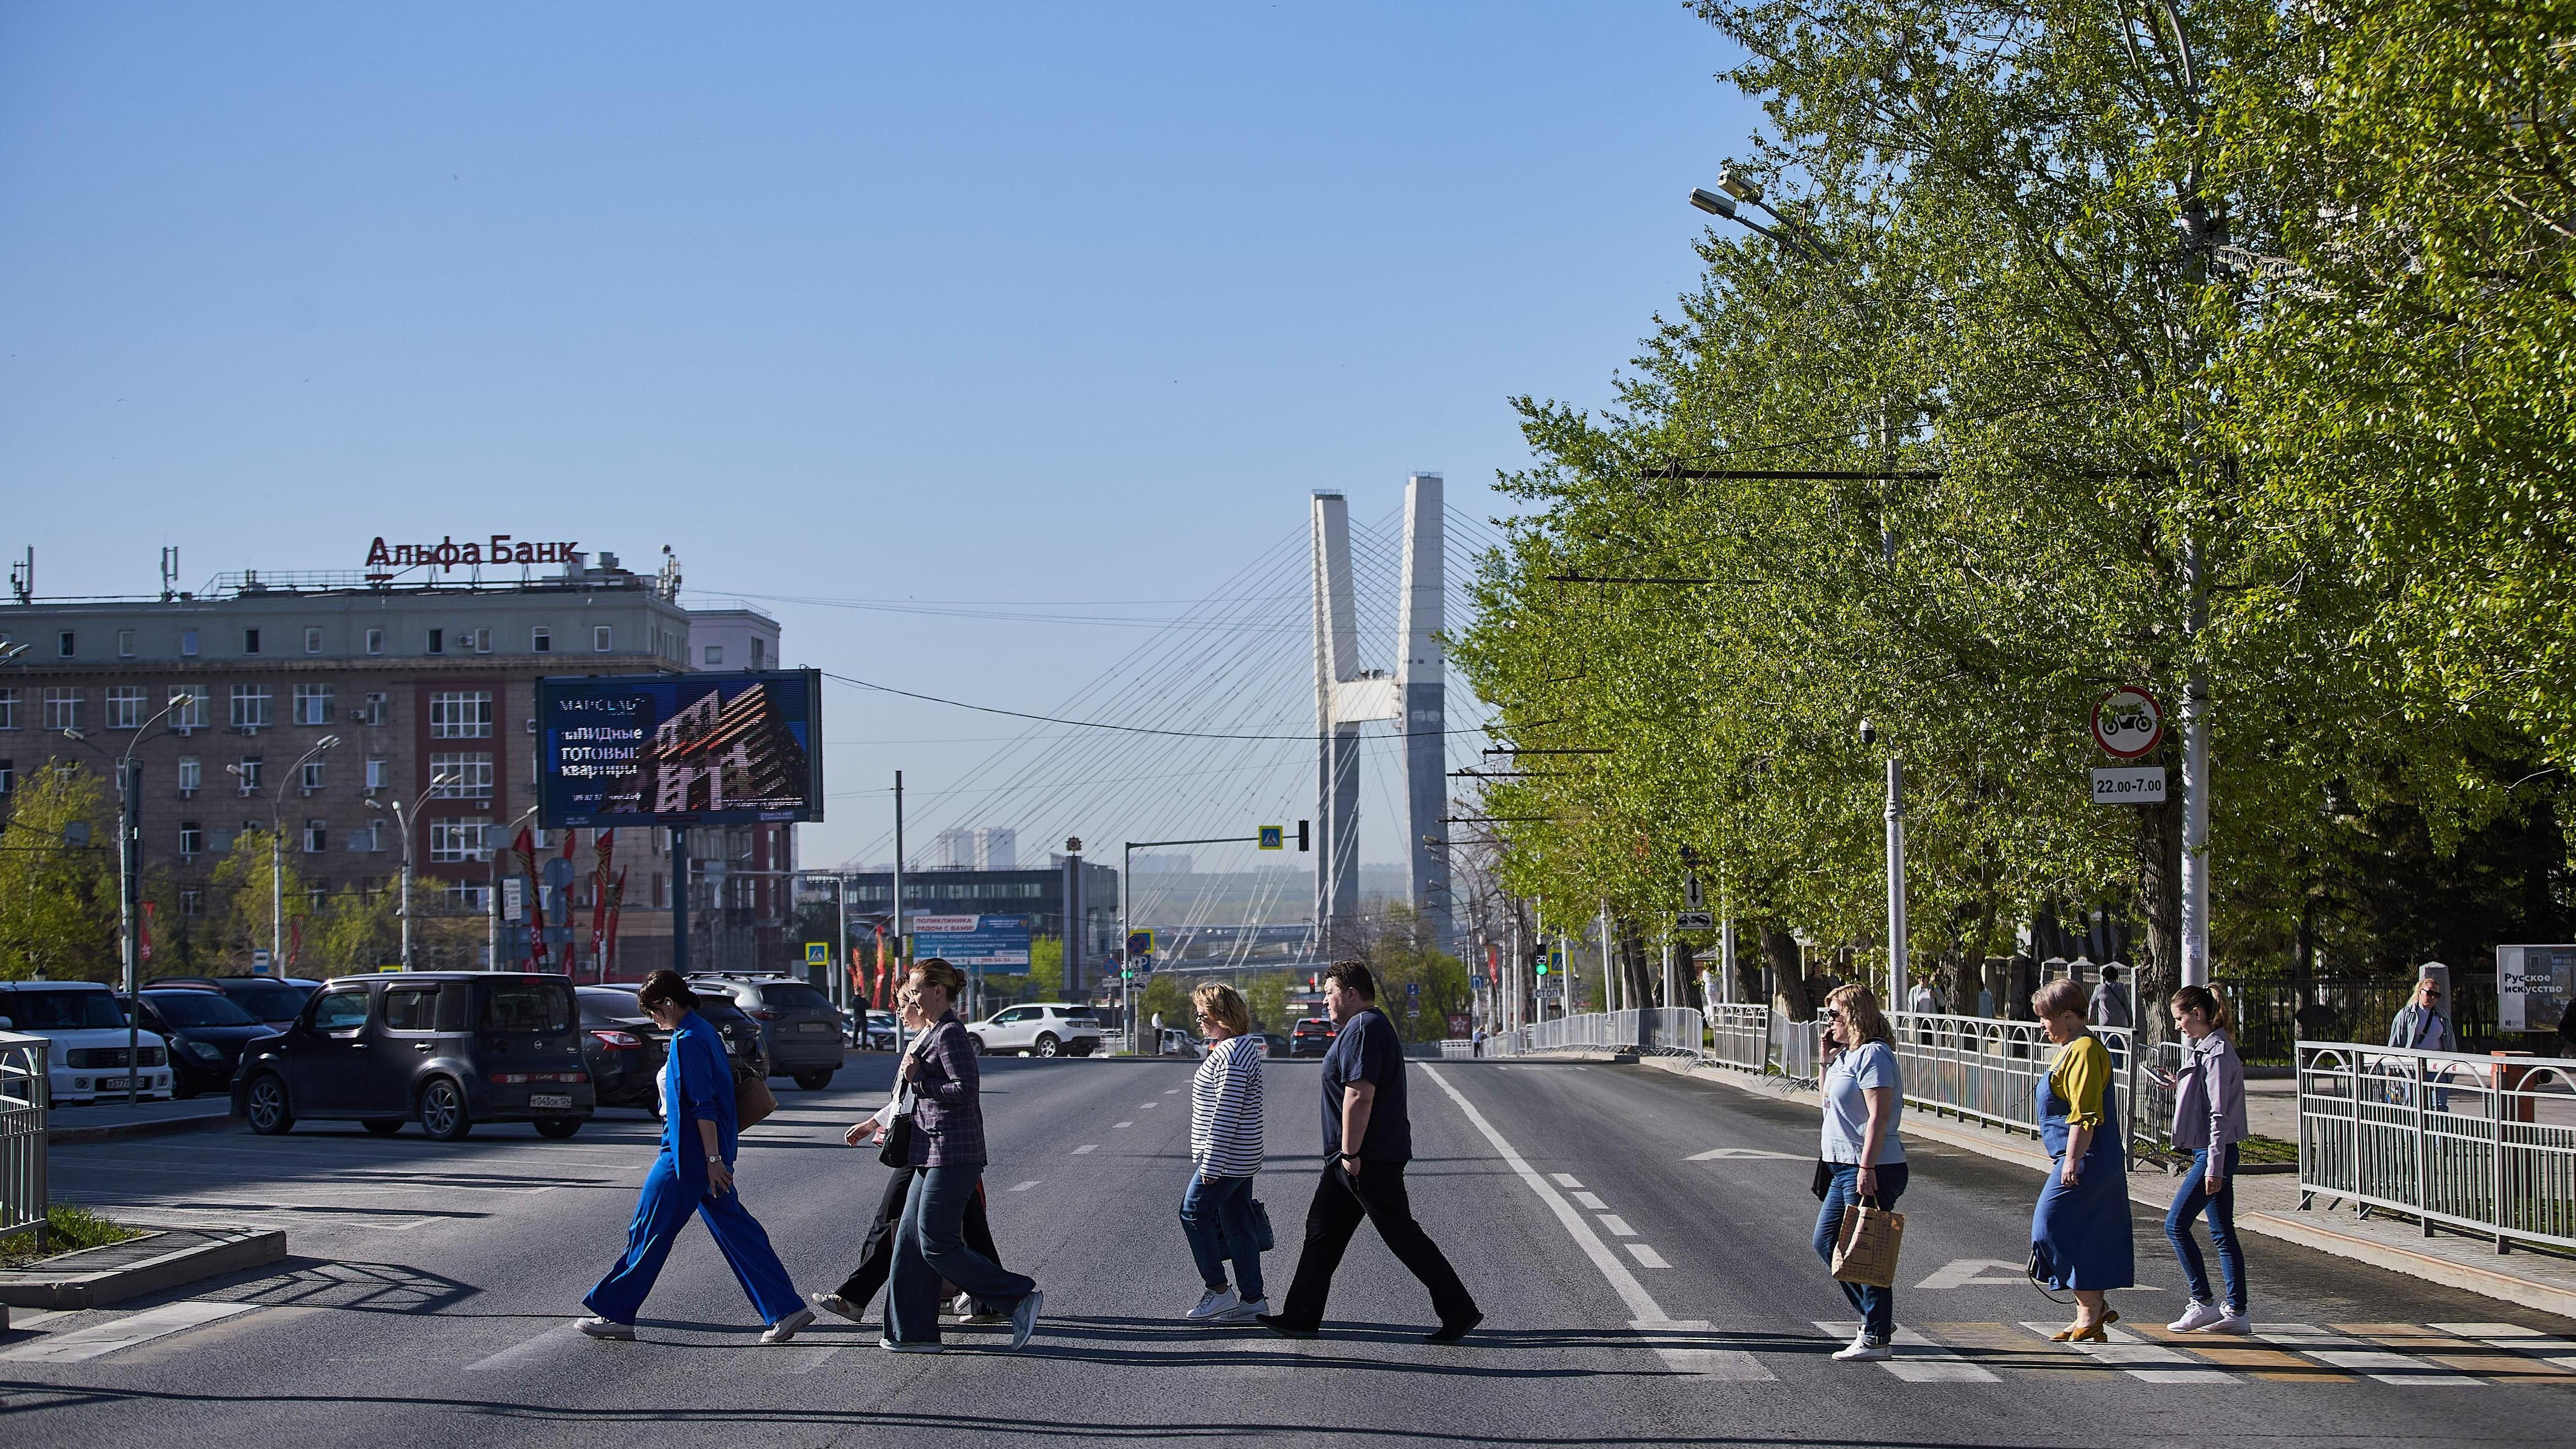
(58, 916)
(1046, 967)
(1267, 997)
(354, 932)
(245, 916)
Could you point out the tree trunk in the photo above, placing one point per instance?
(1788, 975)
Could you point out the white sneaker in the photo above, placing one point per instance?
(1863, 1350)
(834, 1303)
(2197, 1317)
(957, 1307)
(1215, 1303)
(2231, 1321)
(1245, 1312)
(786, 1328)
(1024, 1318)
(608, 1328)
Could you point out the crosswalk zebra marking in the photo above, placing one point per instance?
(1726, 1365)
(1919, 1360)
(2139, 1359)
(2344, 1352)
(123, 1332)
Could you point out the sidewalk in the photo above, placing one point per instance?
(105, 1120)
(2267, 1204)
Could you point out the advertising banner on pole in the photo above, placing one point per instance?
(679, 749)
(981, 942)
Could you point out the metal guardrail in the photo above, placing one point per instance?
(2482, 1144)
(1667, 1030)
(23, 1104)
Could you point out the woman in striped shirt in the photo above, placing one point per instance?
(1225, 1152)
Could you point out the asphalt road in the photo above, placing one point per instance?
(1639, 1242)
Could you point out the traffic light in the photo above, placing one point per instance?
(1538, 962)
(1302, 842)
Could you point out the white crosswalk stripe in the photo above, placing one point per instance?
(122, 1332)
(2556, 1352)
(2337, 1350)
(1918, 1359)
(1726, 1365)
(545, 1345)
(2148, 1362)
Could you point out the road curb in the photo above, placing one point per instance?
(2308, 1233)
(95, 1277)
(157, 1127)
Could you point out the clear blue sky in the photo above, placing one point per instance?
(947, 302)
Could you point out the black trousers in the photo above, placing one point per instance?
(876, 1256)
(1341, 1203)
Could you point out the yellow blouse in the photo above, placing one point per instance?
(2081, 1078)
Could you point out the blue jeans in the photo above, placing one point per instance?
(1216, 1215)
(661, 1210)
(931, 1245)
(2189, 1203)
(1877, 1305)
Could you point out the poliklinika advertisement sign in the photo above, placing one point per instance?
(679, 749)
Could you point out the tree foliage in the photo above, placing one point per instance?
(58, 916)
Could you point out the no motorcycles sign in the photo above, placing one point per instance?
(2128, 723)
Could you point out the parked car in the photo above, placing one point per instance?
(1174, 1042)
(1312, 1037)
(90, 1039)
(623, 1048)
(207, 1032)
(1273, 1044)
(275, 1000)
(739, 1033)
(450, 1048)
(800, 1029)
(1041, 1028)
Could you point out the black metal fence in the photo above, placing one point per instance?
(2273, 1015)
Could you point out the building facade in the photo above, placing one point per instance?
(348, 711)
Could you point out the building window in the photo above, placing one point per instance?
(312, 704)
(188, 643)
(317, 836)
(482, 640)
(467, 896)
(376, 768)
(658, 902)
(192, 903)
(251, 707)
(312, 776)
(247, 772)
(317, 897)
(373, 711)
(124, 643)
(8, 709)
(460, 714)
(66, 644)
(192, 841)
(312, 639)
(188, 704)
(437, 641)
(250, 641)
(455, 842)
(125, 706)
(192, 774)
(541, 640)
(62, 709)
(468, 776)
(375, 641)
(715, 654)
(599, 637)
(8, 776)
(759, 653)
(220, 840)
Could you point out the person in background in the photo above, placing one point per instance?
(1225, 1154)
(1864, 1098)
(2079, 1229)
(693, 1173)
(1986, 1002)
(2110, 1005)
(2420, 1024)
(2567, 1030)
(2208, 1122)
(1923, 1000)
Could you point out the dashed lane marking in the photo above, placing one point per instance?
(1565, 1179)
(1129, 1123)
(1588, 1200)
(1148, 1105)
(1646, 1257)
(1730, 1154)
(1171, 1091)
(1617, 1226)
(123, 1332)
(1025, 1186)
(1919, 1360)
(1086, 1147)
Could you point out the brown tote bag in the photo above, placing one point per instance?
(1865, 1249)
(752, 1099)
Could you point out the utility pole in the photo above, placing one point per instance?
(1609, 973)
(2195, 778)
(897, 932)
(1895, 884)
(129, 910)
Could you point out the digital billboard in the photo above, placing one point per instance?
(983, 942)
(679, 749)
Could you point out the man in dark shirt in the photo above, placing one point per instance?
(1368, 1137)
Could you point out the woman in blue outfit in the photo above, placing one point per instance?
(693, 1174)
(2079, 1233)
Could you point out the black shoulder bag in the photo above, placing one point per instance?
(897, 1151)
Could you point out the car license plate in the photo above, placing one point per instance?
(816, 1027)
(560, 1100)
(111, 1084)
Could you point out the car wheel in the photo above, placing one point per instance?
(270, 1113)
(558, 1128)
(1047, 1044)
(978, 1041)
(384, 1126)
(181, 1088)
(443, 1113)
(813, 1081)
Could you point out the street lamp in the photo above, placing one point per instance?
(1734, 187)
(492, 853)
(1895, 870)
(129, 873)
(402, 822)
(276, 853)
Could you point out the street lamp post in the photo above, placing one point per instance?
(277, 855)
(492, 854)
(403, 823)
(1895, 872)
(129, 883)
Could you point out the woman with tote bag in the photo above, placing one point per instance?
(1861, 1165)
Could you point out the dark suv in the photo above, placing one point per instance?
(1312, 1037)
(613, 1008)
(452, 1048)
(207, 1032)
(800, 1029)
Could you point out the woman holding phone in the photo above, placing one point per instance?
(2208, 1122)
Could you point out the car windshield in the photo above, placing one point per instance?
(199, 1008)
(61, 1010)
(541, 1006)
(268, 1000)
(794, 998)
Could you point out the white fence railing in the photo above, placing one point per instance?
(23, 1102)
(2476, 1143)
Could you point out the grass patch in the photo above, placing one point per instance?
(2266, 1149)
(68, 1229)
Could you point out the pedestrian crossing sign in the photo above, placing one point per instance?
(818, 953)
(1274, 837)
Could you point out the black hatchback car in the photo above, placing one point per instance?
(451, 1048)
(207, 1031)
(610, 1010)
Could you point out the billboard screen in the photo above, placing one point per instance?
(982, 942)
(679, 749)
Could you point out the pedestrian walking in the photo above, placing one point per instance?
(1368, 1138)
(947, 1142)
(1923, 1000)
(2567, 1029)
(876, 1253)
(693, 1173)
(2110, 1005)
(1225, 1154)
(1862, 1158)
(1480, 1038)
(2208, 1122)
(2421, 1024)
(2079, 1230)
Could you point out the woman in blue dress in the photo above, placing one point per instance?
(2079, 1232)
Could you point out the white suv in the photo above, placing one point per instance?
(1045, 1028)
(87, 1059)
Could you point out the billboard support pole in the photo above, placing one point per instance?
(680, 900)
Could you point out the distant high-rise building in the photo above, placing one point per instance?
(985, 847)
